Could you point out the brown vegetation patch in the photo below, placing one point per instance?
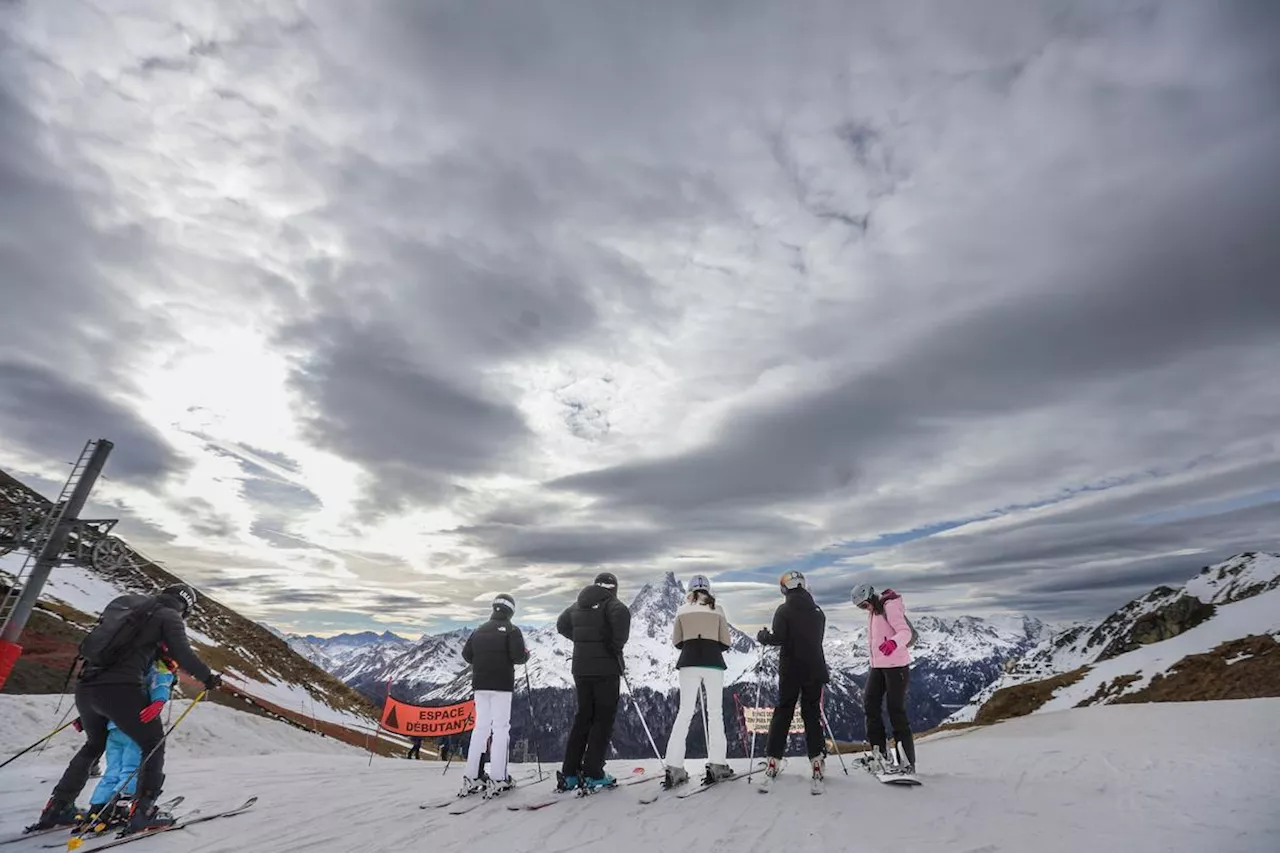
(1021, 699)
(1255, 674)
(1108, 690)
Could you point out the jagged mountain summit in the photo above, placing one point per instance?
(1226, 614)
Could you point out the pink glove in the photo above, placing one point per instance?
(150, 712)
(887, 647)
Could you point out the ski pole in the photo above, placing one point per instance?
(533, 733)
(44, 739)
(751, 761)
(639, 713)
(706, 720)
(75, 841)
(832, 735)
(452, 751)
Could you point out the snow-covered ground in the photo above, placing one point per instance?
(1162, 778)
(295, 698)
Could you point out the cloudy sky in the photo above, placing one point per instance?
(387, 312)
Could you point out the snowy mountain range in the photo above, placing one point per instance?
(953, 660)
(1212, 637)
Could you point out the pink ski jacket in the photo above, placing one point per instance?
(892, 625)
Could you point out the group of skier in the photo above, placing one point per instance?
(599, 624)
(131, 657)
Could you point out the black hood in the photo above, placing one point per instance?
(172, 602)
(593, 595)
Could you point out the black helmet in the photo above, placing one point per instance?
(607, 580)
(183, 593)
(504, 601)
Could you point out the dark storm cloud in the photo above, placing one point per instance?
(1044, 569)
(280, 496)
(392, 601)
(412, 428)
(54, 392)
(299, 596)
(1197, 271)
(51, 414)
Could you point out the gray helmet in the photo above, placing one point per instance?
(699, 582)
(862, 592)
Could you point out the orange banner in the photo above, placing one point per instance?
(418, 721)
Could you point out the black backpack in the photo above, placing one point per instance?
(117, 630)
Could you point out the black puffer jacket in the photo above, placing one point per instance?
(798, 626)
(493, 650)
(134, 661)
(599, 625)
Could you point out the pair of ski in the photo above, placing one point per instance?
(705, 785)
(887, 776)
(181, 824)
(475, 800)
(167, 805)
(579, 793)
(115, 842)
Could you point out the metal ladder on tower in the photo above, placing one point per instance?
(50, 524)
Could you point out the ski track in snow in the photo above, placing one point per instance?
(1140, 778)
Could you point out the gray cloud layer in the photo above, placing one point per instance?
(723, 281)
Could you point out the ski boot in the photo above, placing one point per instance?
(470, 786)
(100, 817)
(567, 783)
(718, 773)
(816, 783)
(771, 770)
(495, 787)
(56, 813)
(591, 784)
(145, 816)
(674, 776)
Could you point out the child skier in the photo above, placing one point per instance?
(701, 633)
(798, 626)
(888, 633)
(123, 755)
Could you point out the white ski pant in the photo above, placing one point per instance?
(691, 678)
(493, 716)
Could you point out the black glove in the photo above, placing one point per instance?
(764, 638)
(214, 681)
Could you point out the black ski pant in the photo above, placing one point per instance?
(592, 724)
(890, 682)
(121, 704)
(809, 694)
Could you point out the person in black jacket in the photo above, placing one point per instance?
(493, 650)
(798, 626)
(132, 633)
(599, 625)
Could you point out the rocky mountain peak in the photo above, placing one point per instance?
(655, 605)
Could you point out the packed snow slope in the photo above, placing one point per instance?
(1138, 778)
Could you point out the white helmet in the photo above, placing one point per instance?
(699, 582)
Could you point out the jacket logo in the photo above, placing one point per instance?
(502, 628)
